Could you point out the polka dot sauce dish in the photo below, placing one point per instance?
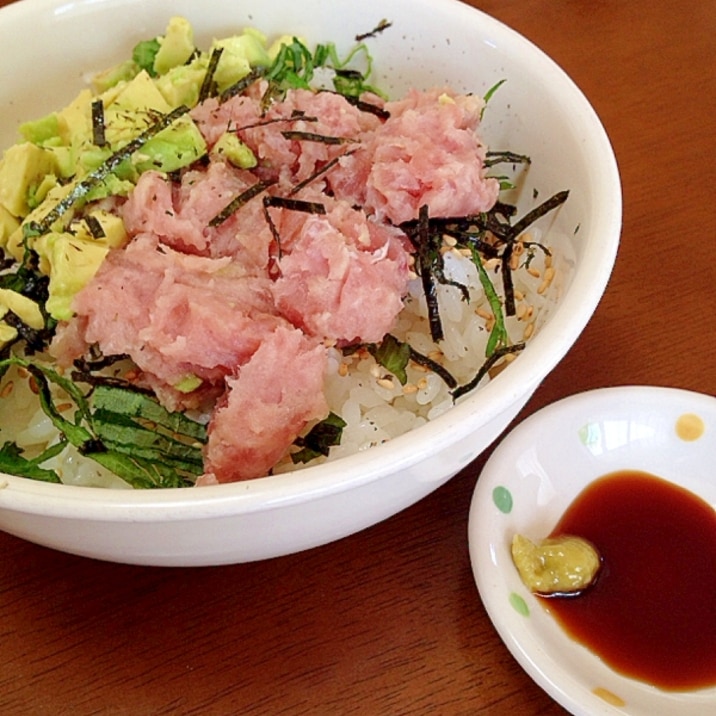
(632, 470)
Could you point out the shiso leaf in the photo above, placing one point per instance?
(127, 432)
(144, 53)
(133, 404)
(490, 92)
(13, 462)
(393, 355)
(319, 439)
(498, 335)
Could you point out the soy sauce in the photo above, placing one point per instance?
(651, 615)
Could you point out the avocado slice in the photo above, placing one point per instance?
(23, 168)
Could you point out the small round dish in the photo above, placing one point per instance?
(528, 483)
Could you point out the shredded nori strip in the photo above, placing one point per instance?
(309, 207)
(544, 208)
(313, 137)
(489, 363)
(427, 254)
(273, 229)
(108, 381)
(487, 235)
(87, 365)
(368, 107)
(319, 172)
(295, 116)
(508, 285)
(237, 202)
(505, 157)
(35, 340)
(82, 188)
(434, 366)
(98, 135)
(238, 87)
(208, 86)
(94, 227)
(380, 27)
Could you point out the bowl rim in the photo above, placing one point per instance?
(543, 352)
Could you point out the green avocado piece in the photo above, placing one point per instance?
(112, 76)
(42, 131)
(22, 169)
(235, 151)
(23, 307)
(75, 120)
(72, 262)
(8, 225)
(131, 108)
(175, 147)
(181, 85)
(175, 47)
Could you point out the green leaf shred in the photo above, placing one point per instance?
(319, 439)
(144, 53)
(393, 355)
(124, 430)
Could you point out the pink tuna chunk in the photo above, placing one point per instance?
(181, 215)
(268, 404)
(176, 316)
(286, 158)
(427, 152)
(343, 277)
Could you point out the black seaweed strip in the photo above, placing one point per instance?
(313, 137)
(265, 122)
(84, 365)
(272, 226)
(499, 353)
(367, 107)
(108, 381)
(319, 172)
(507, 282)
(544, 208)
(208, 86)
(380, 27)
(35, 340)
(464, 225)
(349, 74)
(94, 226)
(98, 136)
(242, 84)
(426, 277)
(505, 157)
(237, 202)
(423, 360)
(310, 207)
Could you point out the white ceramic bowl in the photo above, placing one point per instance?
(539, 111)
(527, 484)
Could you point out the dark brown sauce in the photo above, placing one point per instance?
(651, 614)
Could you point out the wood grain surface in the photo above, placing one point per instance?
(389, 621)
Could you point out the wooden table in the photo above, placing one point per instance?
(389, 621)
